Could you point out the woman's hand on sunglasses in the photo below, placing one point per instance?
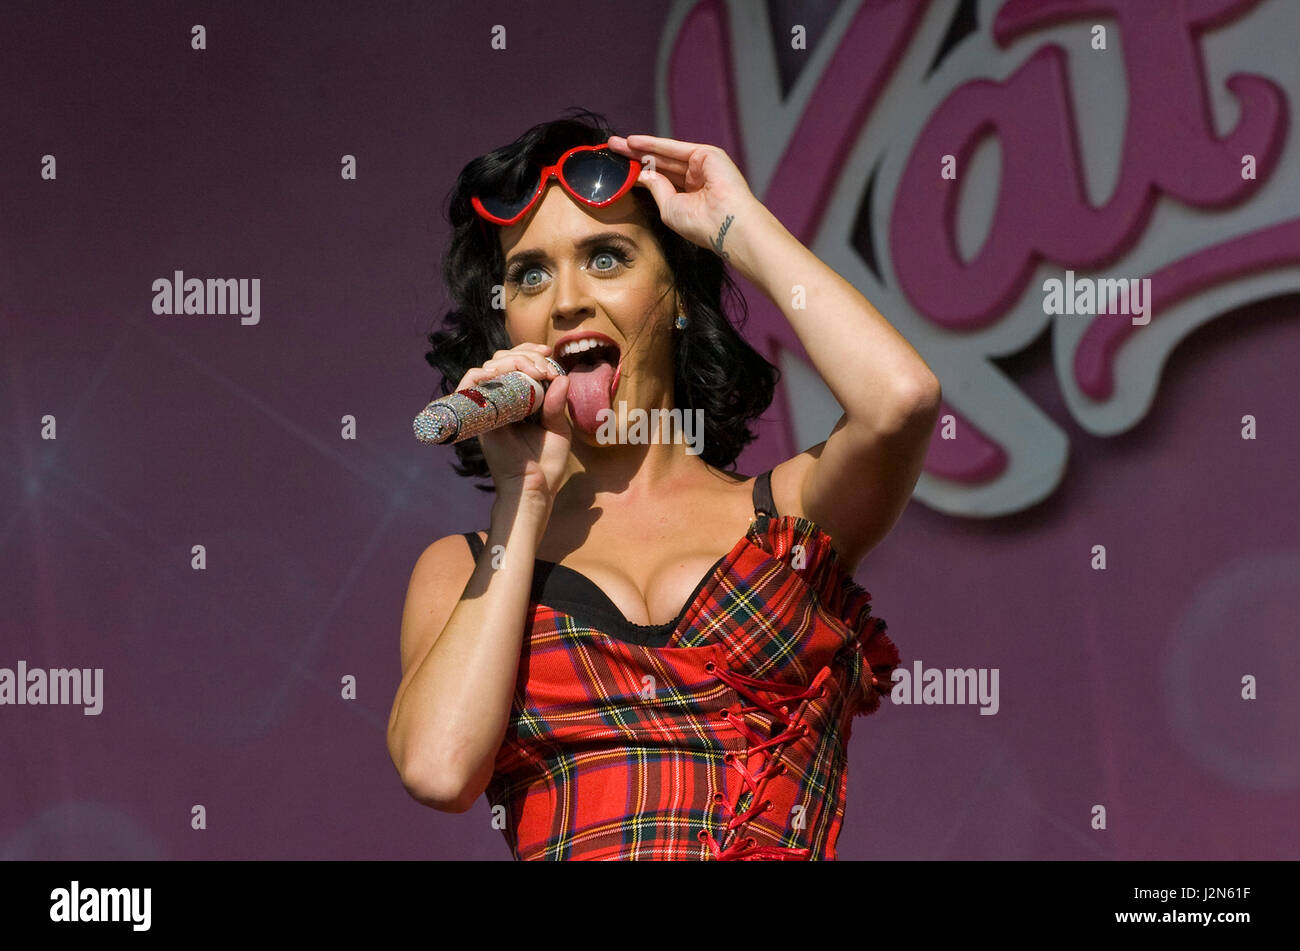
(695, 186)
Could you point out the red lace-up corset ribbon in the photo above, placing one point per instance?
(755, 780)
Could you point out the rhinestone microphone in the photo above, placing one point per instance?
(484, 406)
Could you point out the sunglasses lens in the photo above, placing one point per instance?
(503, 208)
(596, 176)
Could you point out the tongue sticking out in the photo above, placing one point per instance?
(590, 390)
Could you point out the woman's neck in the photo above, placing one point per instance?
(632, 475)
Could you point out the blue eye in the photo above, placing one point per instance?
(519, 272)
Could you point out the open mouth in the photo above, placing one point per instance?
(586, 353)
(593, 363)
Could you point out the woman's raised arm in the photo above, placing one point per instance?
(856, 483)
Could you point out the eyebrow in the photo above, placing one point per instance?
(533, 255)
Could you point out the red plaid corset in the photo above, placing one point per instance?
(730, 742)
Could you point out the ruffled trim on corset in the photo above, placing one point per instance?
(841, 596)
(879, 658)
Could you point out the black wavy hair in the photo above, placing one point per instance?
(716, 370)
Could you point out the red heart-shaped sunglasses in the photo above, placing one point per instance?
(593, 174)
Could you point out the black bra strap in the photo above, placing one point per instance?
(475, 543)
(763, 504)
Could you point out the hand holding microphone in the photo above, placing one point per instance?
(514, 385)
(480, 407)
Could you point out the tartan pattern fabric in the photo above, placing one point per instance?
(729, 743)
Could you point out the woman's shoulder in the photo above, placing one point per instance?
(450, 554)
(439, 577)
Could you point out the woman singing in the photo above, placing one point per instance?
(648, 655)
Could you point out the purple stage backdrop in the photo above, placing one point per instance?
(1084, 214)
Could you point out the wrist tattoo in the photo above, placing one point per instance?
(722, 234)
